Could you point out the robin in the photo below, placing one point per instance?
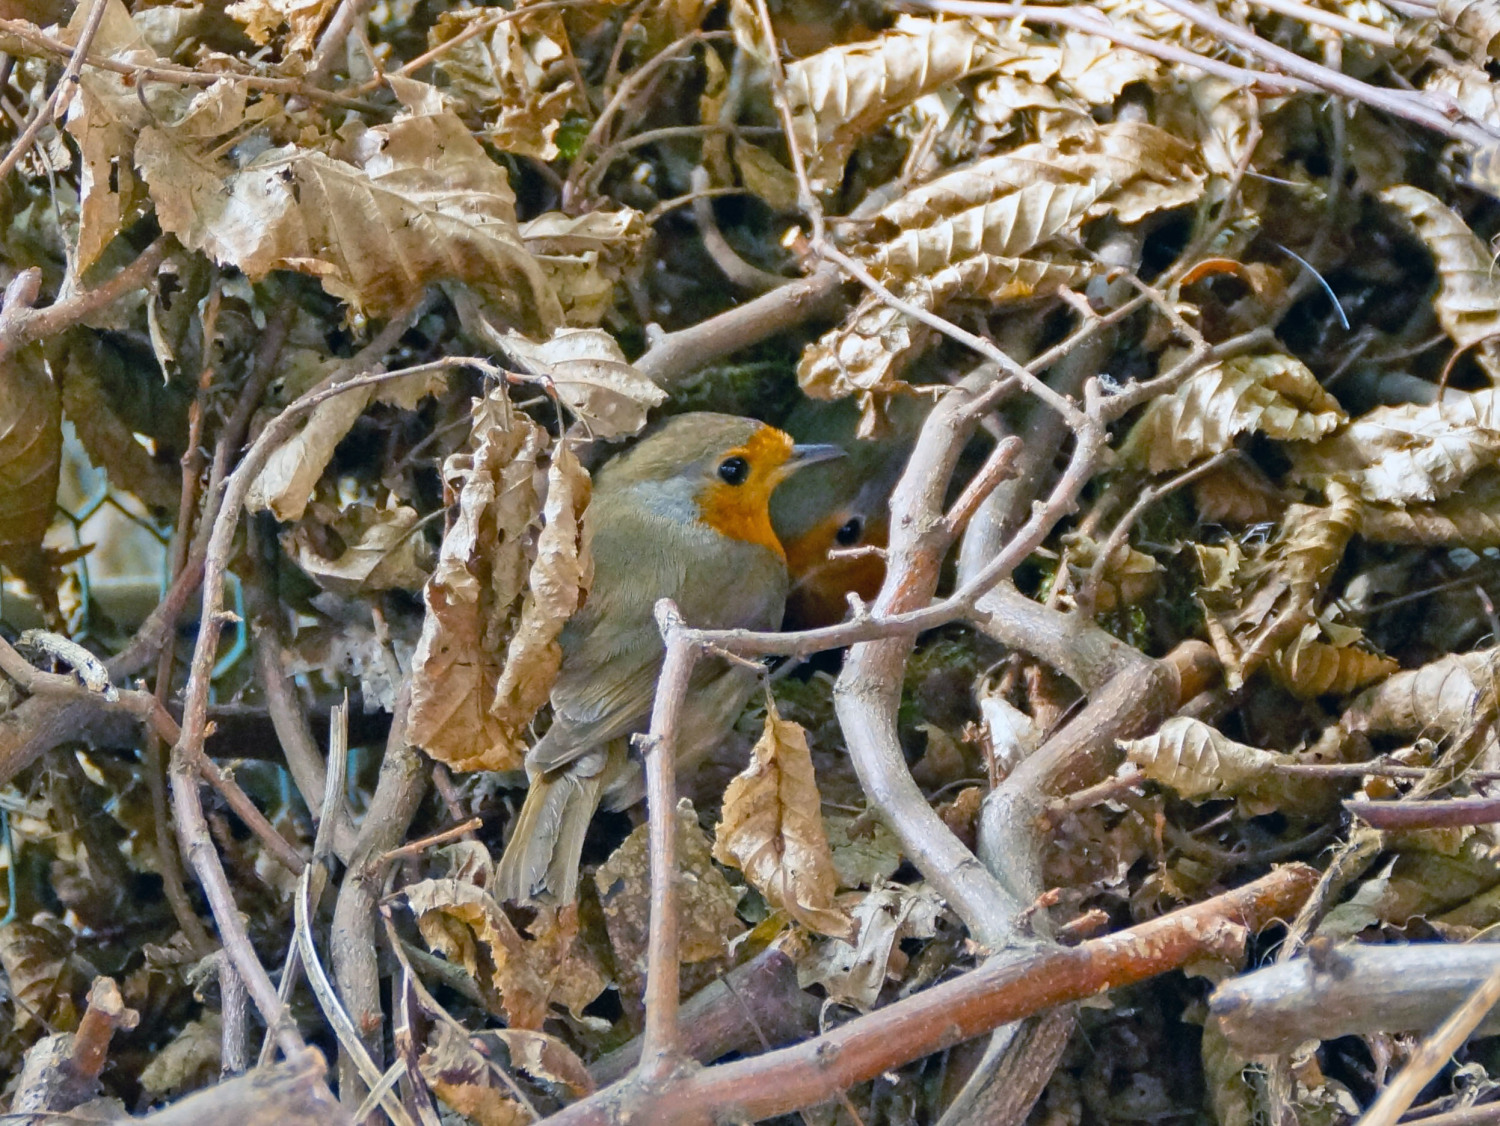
(685, 515)
(824, 516)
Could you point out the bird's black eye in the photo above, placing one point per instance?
(848, 535)
(734, 470)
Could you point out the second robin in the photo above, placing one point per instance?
(685, 515)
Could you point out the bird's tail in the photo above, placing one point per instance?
(546, 845)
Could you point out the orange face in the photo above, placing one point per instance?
(820, 585)
(741, 509)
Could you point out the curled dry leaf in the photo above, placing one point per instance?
(841, 94)
(854, 973)
(1283, 587)
(1468, 302)
(876, 342)
(1128, 577)
(591, 376)
(1199, 763)
(1468, 518)
(514, 76)
(989, 231)
(1476, 20)
(34, 956)
(461, 920)
(416, 202)
(584, 257)
(706, 901)
(286, 483)
(544, 1057)
(1448, 698)
(301, 18)
(104, 119)
(1310, 667)
(560, 577)
(772, 830)
(464, 1078)
(383, 551)
(1408, 454)
(1275, 395)
(475, 590)
(30, 460)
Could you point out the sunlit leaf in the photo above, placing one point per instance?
(773, 830)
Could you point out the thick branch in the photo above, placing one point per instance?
(958, 1010)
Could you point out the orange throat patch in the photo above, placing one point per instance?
(743, 511)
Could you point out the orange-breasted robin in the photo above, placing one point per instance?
(684, 514)
(842, 505)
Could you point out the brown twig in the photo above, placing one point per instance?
(27, 33)
(352, 937)
(21, 325)
(947, 1014)
(48, 109)
(866, 693)
(660, 1054)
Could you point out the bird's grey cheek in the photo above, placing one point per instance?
(670, 500)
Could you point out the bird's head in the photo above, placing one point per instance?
(717, 470)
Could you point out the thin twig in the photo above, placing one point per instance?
(660, 1054)
(175, 75)
(50, 108)
(1433, 1055)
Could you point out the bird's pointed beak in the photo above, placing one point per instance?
(803, 456)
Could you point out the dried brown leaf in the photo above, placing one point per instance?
(1280, 591)
(1447, 698)
(853, 973)
(876, 342)
(301, 18)
(1477, 20)
(1468, 518)
(30, 458)
(104, 118)
(843, 93)
(1468, 301)
(1309, 667)
(459, 918)
(1197, 762)
(559, 580)
(584, 256)
(462, 1077)
(1414, 453)
(34, 956)
(591, 376)
(706, 901)
(1127, 578)
(772, 830)
(514, 77)
(382, 551)
(473, 592)
(1275, 395)
(418, 202)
